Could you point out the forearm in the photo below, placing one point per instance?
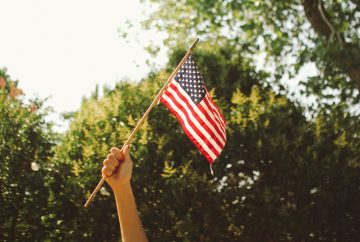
(131, 228)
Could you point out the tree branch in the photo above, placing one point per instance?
(348, 58)
(314, 15)
(327, 21)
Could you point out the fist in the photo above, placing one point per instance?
(117, 168)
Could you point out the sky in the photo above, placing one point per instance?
(61, 49)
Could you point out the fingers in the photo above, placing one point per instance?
(110, 165)
(106, 171)
(113, 160)
(127, 153)
(117, 153)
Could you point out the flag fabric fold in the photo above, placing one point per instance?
(189, 101)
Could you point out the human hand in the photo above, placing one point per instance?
(117, 168)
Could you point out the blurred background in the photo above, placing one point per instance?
(76, 76)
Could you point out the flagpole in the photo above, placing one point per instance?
(154, 102)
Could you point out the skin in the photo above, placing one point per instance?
(117, 171)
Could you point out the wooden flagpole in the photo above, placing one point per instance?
(154, 102)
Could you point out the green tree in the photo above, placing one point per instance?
(289, 33)
(285, 174)
(297, 179)
(26, 144)
(281, 176)
(101, 123)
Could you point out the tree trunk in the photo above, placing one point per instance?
(12, 232)
(348, 59)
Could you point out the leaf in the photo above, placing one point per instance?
(168, 171)
(341, 140)
(238, 97)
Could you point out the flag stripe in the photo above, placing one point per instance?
(210, 104)
(209, 138)
(188, 99)
(197, 127)
(207, 107)
(194, 137)
(199, 143)
(208, 133)
(216, 109)
(178, 92)
(203, 111)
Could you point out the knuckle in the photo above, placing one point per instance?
(108, 171)
(115, 162)
(114, 149)
(116, 152)
(103, 171)
(109, 157)
(120, 156)
(106, 162)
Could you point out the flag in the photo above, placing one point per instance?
(188, 99)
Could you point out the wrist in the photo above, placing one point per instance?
(121, 188)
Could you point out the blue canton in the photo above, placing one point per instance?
(191, 80)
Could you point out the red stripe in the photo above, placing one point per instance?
(214, 112)
(198, 132)
(203, 111)
(213, 121)
(198, 145)
(197, 117)
(218, 110)
(213, 117)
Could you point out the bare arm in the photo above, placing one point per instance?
(117, 171)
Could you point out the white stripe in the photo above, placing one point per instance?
(210, 112)
(196, 123)
(215, 110)
(196, 109)
(188, 126)
(218, 123)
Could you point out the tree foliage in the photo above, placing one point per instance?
(289, 33)
(284, 175)
(281, 176)
(26, 144)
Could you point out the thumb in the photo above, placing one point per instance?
(126, 153)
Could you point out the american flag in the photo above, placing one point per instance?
(188, 99)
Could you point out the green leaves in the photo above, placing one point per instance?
(25, 149)
(251, 109)
(289, 34)
(283, 164)
(168, 170)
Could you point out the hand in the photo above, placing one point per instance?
(117, 168)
